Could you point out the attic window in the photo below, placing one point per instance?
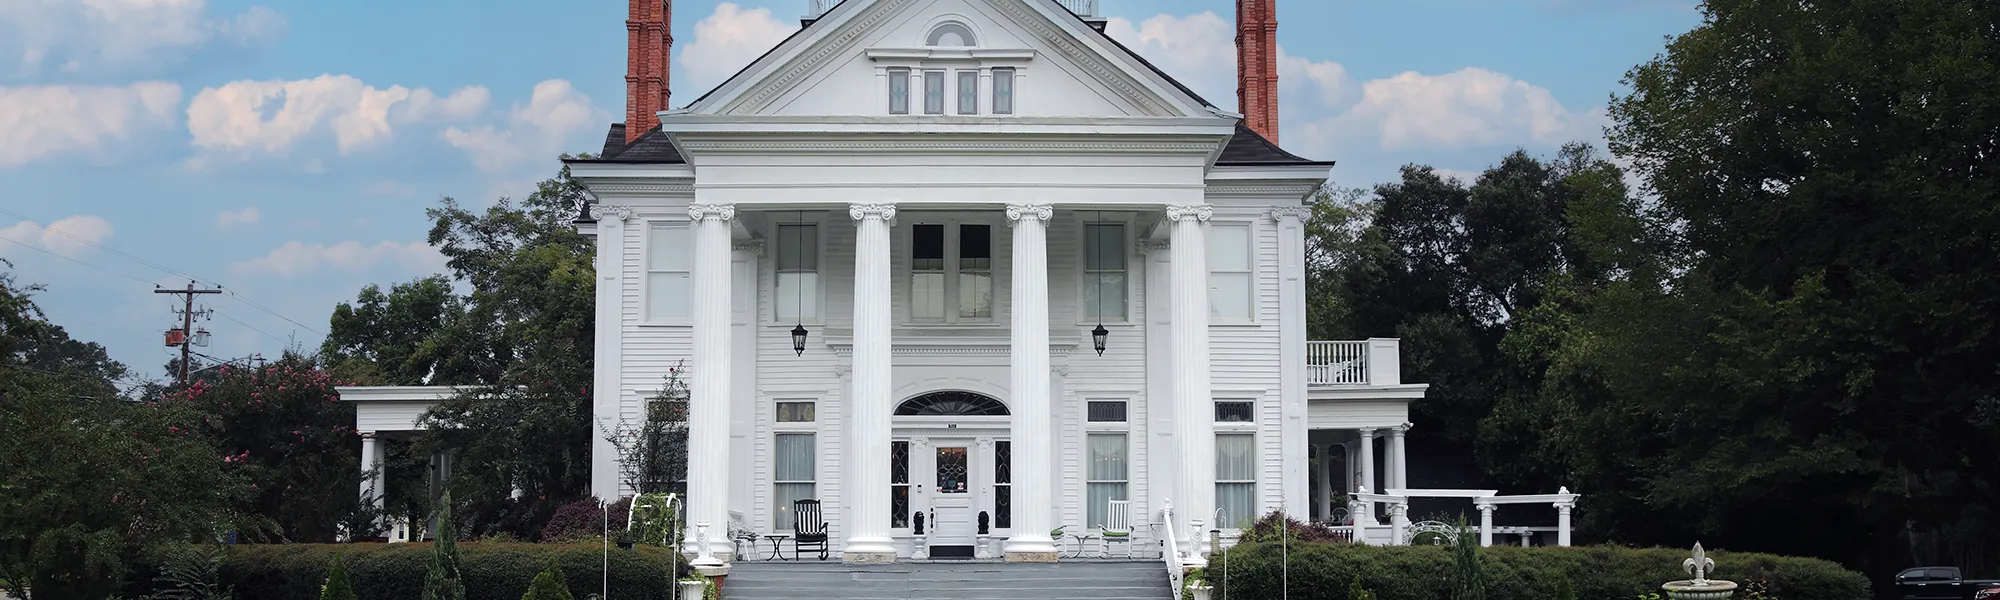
(951, 35)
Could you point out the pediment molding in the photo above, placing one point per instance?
(1090, 60)
(981, 145)
(845, 38)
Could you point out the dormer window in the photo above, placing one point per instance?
(951, 35)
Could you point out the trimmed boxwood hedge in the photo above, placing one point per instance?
(490, 571)
(1325, 571)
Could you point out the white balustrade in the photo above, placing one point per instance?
(1082, 8)
(1337, 363)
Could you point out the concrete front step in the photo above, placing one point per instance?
(1106, 580)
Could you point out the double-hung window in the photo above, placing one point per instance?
(668, 271)
(949, 281)
(1003, 91)
(1104, 271)
(933, 92)
(798, 273)
(968, 92)
(1236, 478)
(1108, 474)
(899, 91)
(1230, 276)
(794, 476)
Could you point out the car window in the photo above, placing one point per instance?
(1911, 575)
(1944, 574)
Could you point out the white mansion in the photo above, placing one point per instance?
(976, 260)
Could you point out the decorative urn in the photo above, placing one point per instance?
(1700, 587)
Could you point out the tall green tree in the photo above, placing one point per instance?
(412, 335)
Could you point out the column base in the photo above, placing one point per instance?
(1030, 557)
(1025, 548)
(869, 550)
(867, 558)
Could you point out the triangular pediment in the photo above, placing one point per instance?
(839, 65)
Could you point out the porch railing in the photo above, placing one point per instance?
(1082, 8)
(1337, 363)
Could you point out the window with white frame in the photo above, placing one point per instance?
(1108, 474)
(793, 476)
(951, 272)
(1003, 91)
(1104, 271)
(1235, 411)
(1230, 277)
(668, 273)
(1105, 411)
(1236, 478)
(798, 272)
(899, 91)
(968, 92)
(934, 92)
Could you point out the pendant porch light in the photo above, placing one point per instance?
(799, 333)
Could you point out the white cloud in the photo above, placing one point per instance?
(38, 121)
(71, 236)
(1468, 107)
(234, 218)
(555, 113)
(272, 116)
(296, 259)
(1198, 50)
(725, 42)
(38, 36)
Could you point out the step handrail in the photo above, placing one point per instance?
(1172, 553)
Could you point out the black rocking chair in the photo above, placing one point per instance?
(808, 528)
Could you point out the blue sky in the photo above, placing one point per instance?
(287, 149)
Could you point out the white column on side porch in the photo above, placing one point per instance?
(1402, 472)
(708, 431)
(605, 387)
(1034, 480)
(372, 478)
(1194, 408)
(868, 431)
(1323, 495)
(1368, 460)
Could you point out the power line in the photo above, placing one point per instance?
(267, 334)
(120, 274)
(169, 270)
(267, 310)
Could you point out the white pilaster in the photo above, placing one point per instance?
(1485, 524)
(1034, 493)
(708, 429)
(1292, 350)
(1402, 457)
(1399, 520)
(1194, 407)
(608, 347)
(869, 430)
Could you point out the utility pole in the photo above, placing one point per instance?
(187, 324)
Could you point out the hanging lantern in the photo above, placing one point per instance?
(799, 334)
(1098, 336)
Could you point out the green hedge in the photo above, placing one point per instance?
(1515, 573)
(491, 571)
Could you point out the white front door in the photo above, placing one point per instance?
(953, 471)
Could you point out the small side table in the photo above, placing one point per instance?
(1083, 539)
(778, 545)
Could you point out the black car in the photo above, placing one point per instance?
(1941, 583)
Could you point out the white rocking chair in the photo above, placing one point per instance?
(1117, 526)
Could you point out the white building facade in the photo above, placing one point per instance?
(949, 197)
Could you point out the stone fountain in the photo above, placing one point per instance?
(1701, 587)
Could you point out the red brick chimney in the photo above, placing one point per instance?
(1257, 65)
(649, 45)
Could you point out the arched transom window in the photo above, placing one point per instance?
(952, 404)
(951, 35)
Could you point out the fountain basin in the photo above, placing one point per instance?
(1699, 590)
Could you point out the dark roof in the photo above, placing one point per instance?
(1246, 147)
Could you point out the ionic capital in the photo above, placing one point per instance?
(1182, 212)
(603, 212)
(1040, 212)
(863, 212)
(719, 212)
(1301, 213)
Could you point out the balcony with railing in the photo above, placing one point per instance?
(1371, 362)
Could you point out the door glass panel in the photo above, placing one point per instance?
(951, 471)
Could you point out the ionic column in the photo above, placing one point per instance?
(868, 430)
(372, 478)
(1324, 492)
(1562, 522)
(1402, 472)
(1485, 524)
(1034, 490)
(708, 427)
(1368, 461)
(1194, 406)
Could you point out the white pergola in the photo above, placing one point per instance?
(390, 410)
(1398, 502)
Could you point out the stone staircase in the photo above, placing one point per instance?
(957, 580)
